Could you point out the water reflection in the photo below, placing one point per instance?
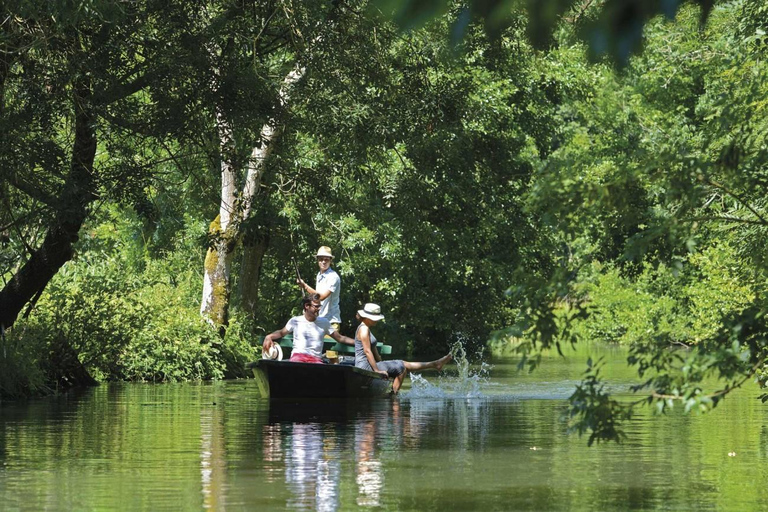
(369, 475)
(272, 452)
(219, 447)
(313, 443)
(212, 460)
(311, 439)
(409, 452)
(311, 468)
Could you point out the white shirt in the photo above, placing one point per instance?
(308, 336)
(329, 307)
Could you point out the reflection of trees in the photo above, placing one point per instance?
(116, 447)
(272, 452)
(370, 478)
(213, 457)
(469, 421)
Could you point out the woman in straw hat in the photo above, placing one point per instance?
(367, 356)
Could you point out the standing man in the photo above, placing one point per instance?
(328, 286)
(308, 332)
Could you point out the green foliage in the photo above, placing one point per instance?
(593, 411)
(21, 372)
(629, 311)
(677, 305)
(411, 164)
(720, 287)
(131, 317)
(614, 28)
(468, 181)
(753, 21)
(656, 192)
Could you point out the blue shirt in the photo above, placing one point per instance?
(329, 307)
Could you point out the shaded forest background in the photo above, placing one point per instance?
(590, 171)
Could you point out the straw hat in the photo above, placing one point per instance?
(275, 352)
(324, 251)
(372, 311)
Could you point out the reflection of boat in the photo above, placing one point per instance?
(320, 410)
(284, 379)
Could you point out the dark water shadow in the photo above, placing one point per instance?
(324, 411)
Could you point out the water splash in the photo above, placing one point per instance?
(468, 383)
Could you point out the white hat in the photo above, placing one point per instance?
(324, 251)
(274, 352)
(372, 311)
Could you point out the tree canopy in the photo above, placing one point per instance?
(490, 169)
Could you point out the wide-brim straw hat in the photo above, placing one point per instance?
(275, 352)
(371, 311)
(324, 251)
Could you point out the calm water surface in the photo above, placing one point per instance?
(495, 440)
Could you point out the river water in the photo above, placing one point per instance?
(483, 438)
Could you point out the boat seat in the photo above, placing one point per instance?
(330, 344)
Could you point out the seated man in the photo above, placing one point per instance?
(308, 332)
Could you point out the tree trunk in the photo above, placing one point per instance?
(216, 279)
(222, 234)
(225, 232)
(56, 248)
(254, 249)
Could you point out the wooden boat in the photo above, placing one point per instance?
(284, 379)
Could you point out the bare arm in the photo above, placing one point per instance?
(346, 340)
(271, 338)
(323, 295)
(365, 337)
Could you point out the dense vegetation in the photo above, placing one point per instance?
(162, 164)
(656, 197)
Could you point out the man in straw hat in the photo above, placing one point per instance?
(308, 332)
(328, 286)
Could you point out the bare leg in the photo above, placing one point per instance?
(414, 367)
(397, 382)
(437, 364)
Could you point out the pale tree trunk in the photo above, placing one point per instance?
(216, 279)
(225, 232)
(222, 234)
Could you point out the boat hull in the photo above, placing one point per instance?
(285, 379)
